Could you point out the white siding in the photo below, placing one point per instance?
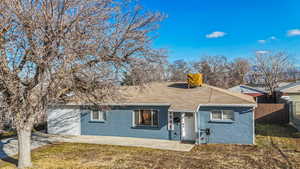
(64, 121)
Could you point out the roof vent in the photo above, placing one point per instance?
(194, 80)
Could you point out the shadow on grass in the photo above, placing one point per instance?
(276, 130)
(3, 155)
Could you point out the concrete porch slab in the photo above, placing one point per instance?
(126, 141)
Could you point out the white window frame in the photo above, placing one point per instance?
(100, 113)
(152, 124)
(222, 116)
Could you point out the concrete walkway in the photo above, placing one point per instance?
(9, 146)
(127, 141)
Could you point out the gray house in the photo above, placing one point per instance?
(259, 95)
(169, 111)
(290, 94)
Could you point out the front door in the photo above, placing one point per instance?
(188, 127)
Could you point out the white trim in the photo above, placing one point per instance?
(99, 114)
(184, 127)
(133, 118)
(114, 104)
(198, 110)
(152, 122)
(222, 115)
(198, 127)
(228, 105)
(196, 122)
(253, 114)
(79, 113)
(180, 111)
(160, 104)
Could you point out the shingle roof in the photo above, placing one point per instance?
(182, 98)
(176, 95)
(263, 87)
(290, 88)
(295, 89)
(247, 89)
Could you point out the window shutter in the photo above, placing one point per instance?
(155, 117)
(136, 117)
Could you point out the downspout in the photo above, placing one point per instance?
(254, 108)
(253, 124)
(198, 124)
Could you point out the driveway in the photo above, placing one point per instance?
(9, 146)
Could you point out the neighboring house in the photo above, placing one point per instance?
(169, 111)
(260, 92)
(260, 95)
(291, 94)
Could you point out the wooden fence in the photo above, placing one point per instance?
(272, 113)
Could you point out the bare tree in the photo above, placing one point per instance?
(214, 68)
(50, 49)
(291, 74)
(143, 71)
(178, 70)
(271, 68)
(237, 71)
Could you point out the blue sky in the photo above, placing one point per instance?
(234, 28)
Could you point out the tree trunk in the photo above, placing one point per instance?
(24, 142)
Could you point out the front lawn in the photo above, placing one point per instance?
(271, 151)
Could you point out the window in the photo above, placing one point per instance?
(97, 115)
(216, 115)
(146, 118)
(228, 115)
(222, 115)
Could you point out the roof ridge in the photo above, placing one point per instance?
(254, 88)
(288, 86)
(238, 95)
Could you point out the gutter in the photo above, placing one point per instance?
(215, 105)
(226, 105)
(116, 104)
(180, 111)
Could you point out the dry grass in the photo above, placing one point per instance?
(280, 151)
